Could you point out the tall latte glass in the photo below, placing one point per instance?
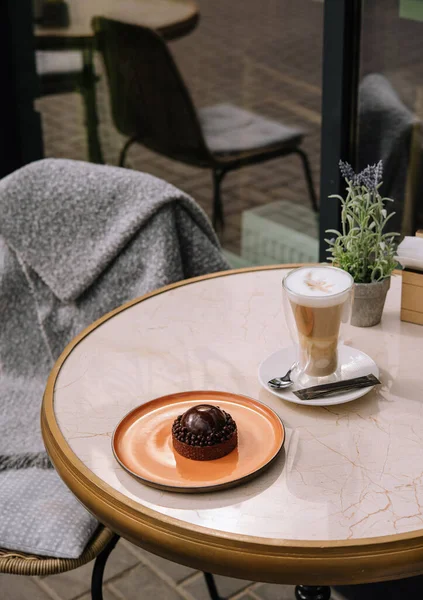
(316, 300)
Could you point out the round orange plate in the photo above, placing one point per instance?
(142, 443)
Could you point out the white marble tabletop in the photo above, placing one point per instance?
(348, 472)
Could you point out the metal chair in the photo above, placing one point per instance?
(66, 71)
(59, 71)
(99, 548)
(389, 130)
(151, 105)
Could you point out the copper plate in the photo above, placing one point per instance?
(142, 443)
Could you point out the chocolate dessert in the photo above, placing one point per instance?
(204, 432)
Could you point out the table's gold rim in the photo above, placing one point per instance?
(266, 559)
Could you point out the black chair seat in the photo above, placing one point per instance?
(68, 71)
(57, 62)
(59, 71)
(229, 131)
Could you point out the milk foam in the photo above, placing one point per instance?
(318, 286)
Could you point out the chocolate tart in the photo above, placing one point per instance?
(204, 432)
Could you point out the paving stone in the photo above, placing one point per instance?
(227, 586)
(270, 591)
(174, 570)
(74, 583)
(142, 582)
(19, 587)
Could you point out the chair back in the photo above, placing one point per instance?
(386, 126)
(149, 99)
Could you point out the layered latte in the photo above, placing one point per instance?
(319, 297)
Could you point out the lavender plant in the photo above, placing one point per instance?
(363, 248)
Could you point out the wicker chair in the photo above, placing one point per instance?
(151, 105)
(99, 548)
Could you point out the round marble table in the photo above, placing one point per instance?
(344, 501)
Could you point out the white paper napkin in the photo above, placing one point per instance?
(410, 253)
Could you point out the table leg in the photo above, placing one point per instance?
(211, 586)
(312, 592)
(88, 92)
(98, 570)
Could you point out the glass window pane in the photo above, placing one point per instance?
(391, 105)
(253, 72)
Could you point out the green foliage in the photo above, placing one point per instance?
(363, 249)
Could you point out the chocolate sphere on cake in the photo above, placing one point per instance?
(204, 432)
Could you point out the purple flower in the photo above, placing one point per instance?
(369, 177)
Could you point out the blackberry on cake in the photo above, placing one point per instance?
(204, 432)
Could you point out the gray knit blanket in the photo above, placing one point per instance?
(76, 241)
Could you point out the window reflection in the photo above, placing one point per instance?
(391, 107)
(264, 58)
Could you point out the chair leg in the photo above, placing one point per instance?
(309, 179)
(88, 91)
(125, 149)
(211, 586)
(217, 218)
(98, 569)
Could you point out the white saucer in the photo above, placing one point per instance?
(352, 363)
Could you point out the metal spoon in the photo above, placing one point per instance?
(280, 383)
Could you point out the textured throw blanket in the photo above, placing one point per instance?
(76, 241)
